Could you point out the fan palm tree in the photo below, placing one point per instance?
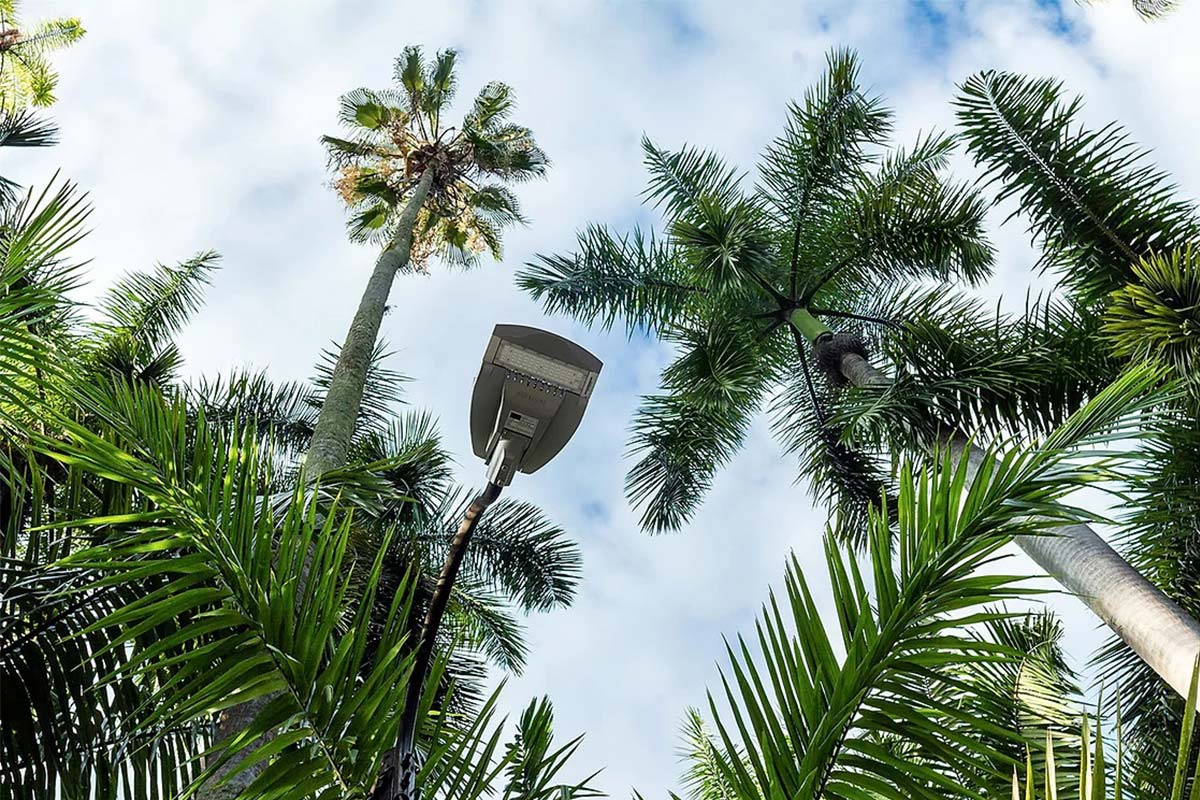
(26, 77)
(739, 281)
(904, 696)
(425, 190)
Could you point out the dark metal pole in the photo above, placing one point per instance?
(397, 782)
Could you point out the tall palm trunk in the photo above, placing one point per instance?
(330, 443)
(335, 426)
(1152, 624)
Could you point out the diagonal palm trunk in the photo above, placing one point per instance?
(1152, 624)
(335, 426)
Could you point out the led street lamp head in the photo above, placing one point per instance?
(529, 397)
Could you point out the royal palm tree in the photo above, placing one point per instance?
(1122, 243)
(741, 281)
(26, 77)
(746, 284)
(424, 189)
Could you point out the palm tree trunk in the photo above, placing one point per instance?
(1152, 624)
(335, 426)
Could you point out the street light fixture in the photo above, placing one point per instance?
(529, 397)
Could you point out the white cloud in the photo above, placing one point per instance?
(197, 125)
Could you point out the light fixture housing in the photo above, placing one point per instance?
(529, 397)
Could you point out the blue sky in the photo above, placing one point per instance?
(196, 126)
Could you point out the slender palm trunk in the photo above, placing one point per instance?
(335, 426)
(1152, 624)
(330, 443)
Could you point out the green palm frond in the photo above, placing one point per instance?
(35, 281)
(904, 222)
(491, 107)
(284, 412)
(535, 763)
(517, 550)
(479, 620)
(800, 720)
(1157, 315)
(1034, 693)
(683, 182)
(141, 313)
(22, 129)
(633, 278)
(679, 445)
(960, 363)
(824, 142)
(1092, 199)
(703, 778)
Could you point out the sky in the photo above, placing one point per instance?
(196, 126)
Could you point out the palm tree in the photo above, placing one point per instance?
(26, 77)
(425, 190)
(922, 687)
(1112, 228)
(740, 279)
(79, 732)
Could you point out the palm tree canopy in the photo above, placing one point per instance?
(740, 275)
(26, 77)
(396, 135)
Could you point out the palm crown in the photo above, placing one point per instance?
(397, 135)
(26, 77)
(740, 278)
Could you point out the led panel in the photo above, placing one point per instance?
(541, 367)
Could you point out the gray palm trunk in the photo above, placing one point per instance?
(1152, 624)
(330, 445)
(335, 426)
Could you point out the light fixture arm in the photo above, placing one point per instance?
(400, 781)
(505, 458)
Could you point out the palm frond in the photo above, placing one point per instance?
(680, 445)
(284, 412)
(516, 550)
(143, 310)
(682, 182)
(1092, 199)
(634, 279)
(1157, 316)
(824, 142)
(534, 763)
(807, 719)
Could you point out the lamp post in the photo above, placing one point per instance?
(529, 397)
